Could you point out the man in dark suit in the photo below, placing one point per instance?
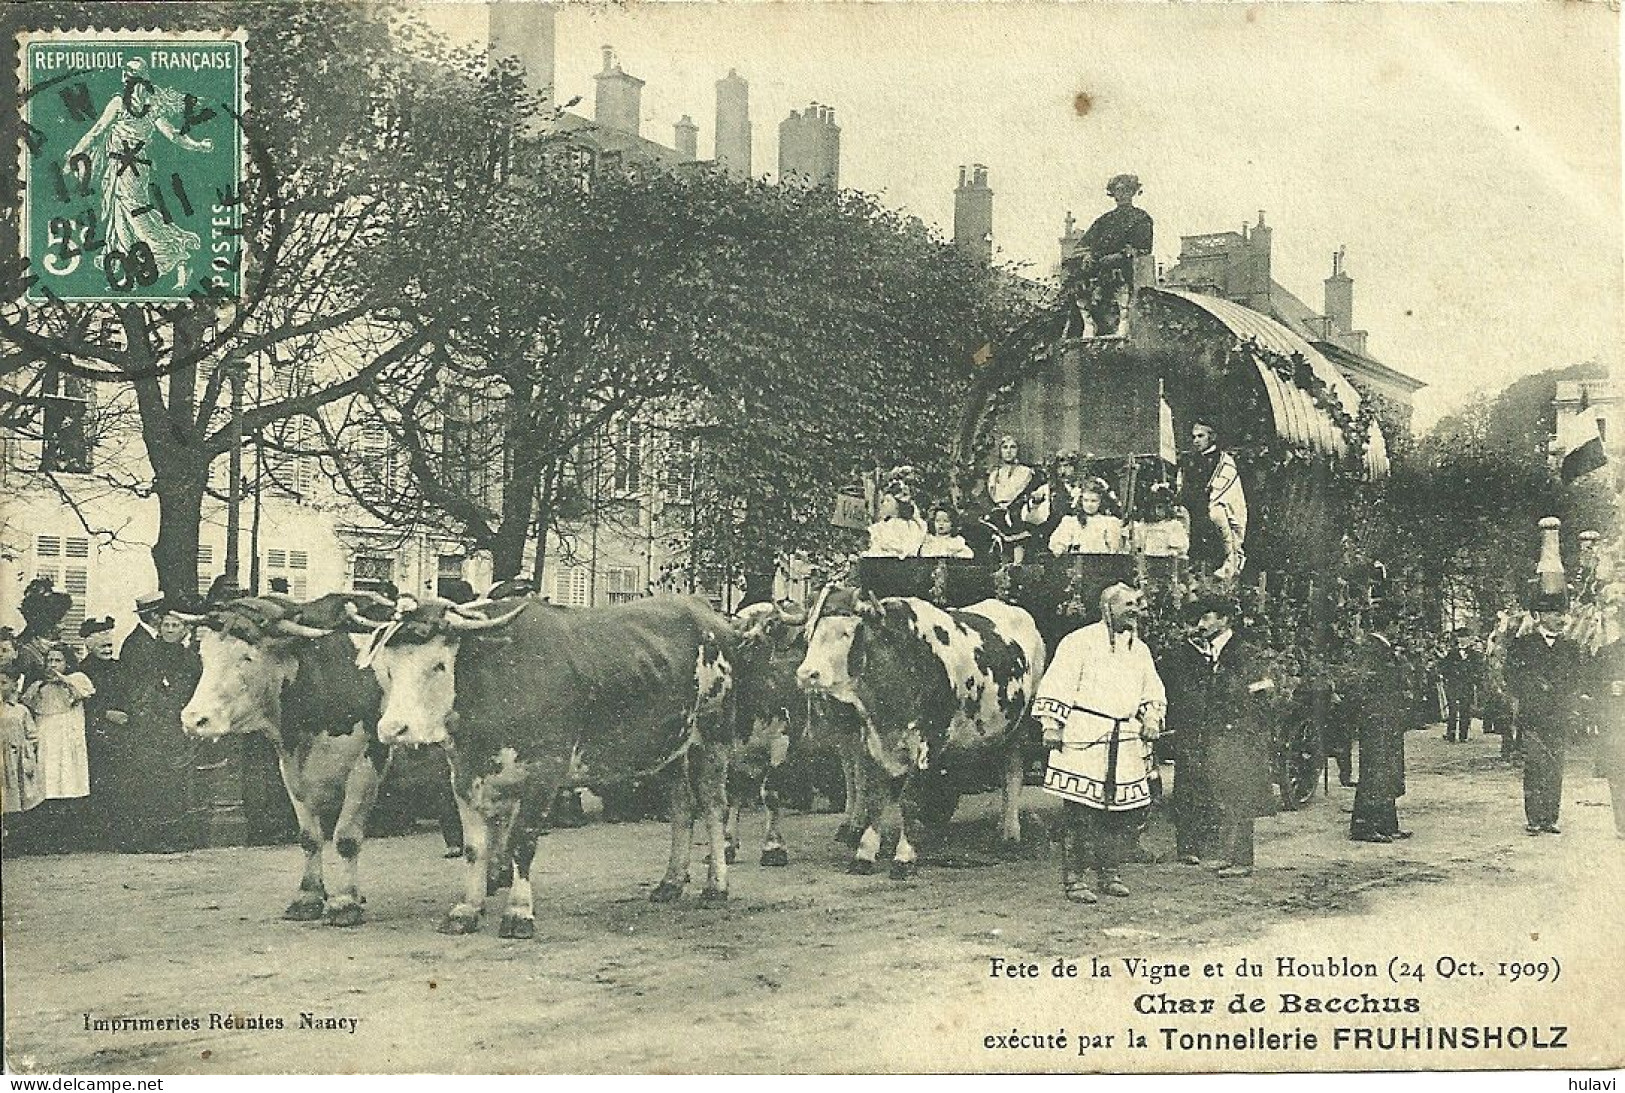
(1218, 694)
(1375, 695)
(1459, 672)
(139, 642)
(1544, 671)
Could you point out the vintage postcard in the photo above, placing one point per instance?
(978, 538)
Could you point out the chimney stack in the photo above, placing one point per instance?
(973, 214)
(688, 139)
(619, 103)
(1340, 296)
(733, 152)
(810, 147)
(525, 32)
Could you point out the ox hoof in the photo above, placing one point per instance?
(344, 914)
(730, 855)
(862, 867)
(305, 910)
(516, 927)
(847, 835)
(665, 892)
(455, 923)
(713, 897)
(776, 856)
(903, 870)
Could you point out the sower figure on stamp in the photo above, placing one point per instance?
(1100, 703)
(1218, 693)
(1543, 671)
(1376, 697)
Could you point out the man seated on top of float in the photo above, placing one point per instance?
(900, 532)
(1091, 529)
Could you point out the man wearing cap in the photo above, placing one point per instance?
(1459, 672)
(1544, 671)
(1218, 691)
(1210, 489)
(1101, 704)
(1104, 261)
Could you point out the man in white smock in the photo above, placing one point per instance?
(1101, 704)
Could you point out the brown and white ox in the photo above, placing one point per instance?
(529, 698)
(266, 671)
(936, 691)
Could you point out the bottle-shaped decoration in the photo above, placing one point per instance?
(1549, 570)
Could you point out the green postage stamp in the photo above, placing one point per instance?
(133, 164)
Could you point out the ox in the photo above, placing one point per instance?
(266, 671)
(527, 699)
(935, 690)
(784, 725)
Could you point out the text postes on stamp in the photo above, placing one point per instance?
(132, 164)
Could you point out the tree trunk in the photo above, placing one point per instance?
(179, 487)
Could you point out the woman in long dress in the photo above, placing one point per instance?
(58, 704)
(133, 121)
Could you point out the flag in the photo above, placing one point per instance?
(1168, 448)
(1584, 459)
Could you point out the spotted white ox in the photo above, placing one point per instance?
(265, 671)
(935, 689)
(529, 698)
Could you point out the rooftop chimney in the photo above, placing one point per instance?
(619, 103)
(688, 139)
(733, 153)
(1340, 296)
(973, 214)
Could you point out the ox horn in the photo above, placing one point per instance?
(359, 622)
(462, 621)
(289, 629)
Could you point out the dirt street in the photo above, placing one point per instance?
(809, 968)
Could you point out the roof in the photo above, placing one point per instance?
(1297, 418)
(610, 139)
(1303, 320)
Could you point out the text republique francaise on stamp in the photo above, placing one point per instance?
(132, 164)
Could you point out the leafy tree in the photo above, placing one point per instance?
(365, 172)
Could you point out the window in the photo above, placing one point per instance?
(66, 560)
(626, 439)
(572, 586)
(380, 461)
(67, 413)
(372, 571)
(622, 584)
(291, 565)
(677, 470)
(205, 568)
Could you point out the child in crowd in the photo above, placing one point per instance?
(20, 737)
(1090, 530)
(942, 542)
